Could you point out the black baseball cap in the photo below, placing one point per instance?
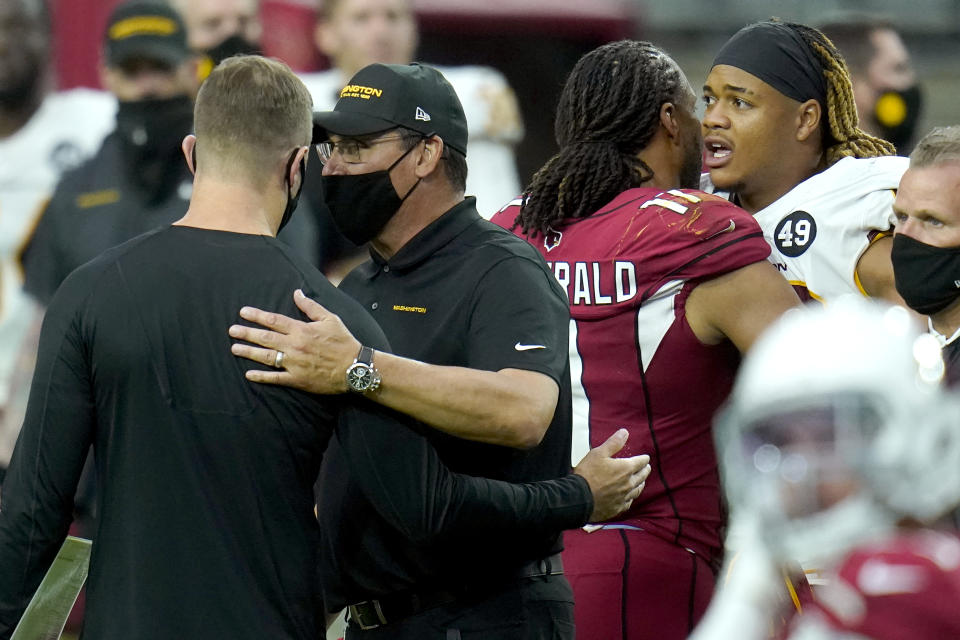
(384, 96)
(145, 29)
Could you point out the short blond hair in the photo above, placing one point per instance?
(250, 114)
(940, 146)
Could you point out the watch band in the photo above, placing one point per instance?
(365, 356)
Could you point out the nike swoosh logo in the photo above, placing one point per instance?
(528, 347)
(730, 227)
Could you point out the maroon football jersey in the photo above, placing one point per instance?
(904, 588)
(635, 362)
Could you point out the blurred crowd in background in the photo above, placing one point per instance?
(535, 43)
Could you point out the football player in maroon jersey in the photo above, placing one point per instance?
(667, 285)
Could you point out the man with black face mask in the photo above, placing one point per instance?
(218, 29)
(885, 87)
(926, 242)
(137, 180)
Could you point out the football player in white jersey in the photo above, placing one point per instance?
(831, 447)
(42, 133)
(781, 137)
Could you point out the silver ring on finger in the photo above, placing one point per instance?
(278, 360)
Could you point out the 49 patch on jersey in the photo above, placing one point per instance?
(795, 233)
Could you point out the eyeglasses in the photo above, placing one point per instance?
(351, 149)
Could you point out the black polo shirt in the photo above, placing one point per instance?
(465, 292)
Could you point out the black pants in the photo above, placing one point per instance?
(530, 609)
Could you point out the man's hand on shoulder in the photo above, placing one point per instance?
(316, 354)
(614, 482)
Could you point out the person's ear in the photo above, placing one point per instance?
(670, 120)
(429, 156)
(294, 178)
(189, 147)
(808, 120)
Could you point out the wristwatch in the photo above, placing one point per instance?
(362, 376)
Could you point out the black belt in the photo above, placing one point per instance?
(549, 566)
(371, 614)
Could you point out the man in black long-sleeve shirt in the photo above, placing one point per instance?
(206, 526)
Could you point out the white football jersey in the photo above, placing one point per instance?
(492, 168)
(66, 130)
(818, 230)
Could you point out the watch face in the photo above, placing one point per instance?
(359, 377)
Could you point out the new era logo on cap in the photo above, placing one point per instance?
(422, 115)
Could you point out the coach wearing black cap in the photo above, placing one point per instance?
(137, 181)
(479, 328)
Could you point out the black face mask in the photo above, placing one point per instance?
(150, 133)
(927, 277)
(897, 114)
(361, 205)
(234, 45)
(292, 199)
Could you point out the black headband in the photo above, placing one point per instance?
(778, 55)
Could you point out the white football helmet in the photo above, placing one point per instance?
(838, 427)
